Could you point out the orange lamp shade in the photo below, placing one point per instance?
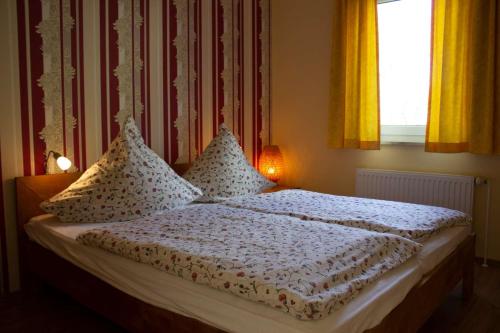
(271, 163)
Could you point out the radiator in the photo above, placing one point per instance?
(451, 191)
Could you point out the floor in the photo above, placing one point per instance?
(481, 314)
(51, 311)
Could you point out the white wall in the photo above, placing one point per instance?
(300, 95)
(10, 149)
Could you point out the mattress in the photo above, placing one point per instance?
(232, 313)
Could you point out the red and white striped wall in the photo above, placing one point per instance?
(182, 73)
(261, 71)
(181, 68)
(50, 40)
(216, 70)
(124, 66)
(228, 44)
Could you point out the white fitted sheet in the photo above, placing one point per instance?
(229, 312)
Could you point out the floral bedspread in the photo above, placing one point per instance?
(411, 221)
(304, 268)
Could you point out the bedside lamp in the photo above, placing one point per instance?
(62, 162)
(271, 163)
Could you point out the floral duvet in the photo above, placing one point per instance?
(411, 221)
(304, 268)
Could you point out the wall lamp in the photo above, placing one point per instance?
(62, 162)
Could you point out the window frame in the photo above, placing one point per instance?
(401, 134)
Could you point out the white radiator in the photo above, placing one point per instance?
(451, 191)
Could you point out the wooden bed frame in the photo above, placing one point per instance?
(138, 316)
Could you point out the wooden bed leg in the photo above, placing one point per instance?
(468, 272)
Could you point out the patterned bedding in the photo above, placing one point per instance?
(304, 268)
(415, 222)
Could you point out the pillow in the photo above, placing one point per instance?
(223, 171)
(129, 181)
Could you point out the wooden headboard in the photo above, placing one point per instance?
(32, 190)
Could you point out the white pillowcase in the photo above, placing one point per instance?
(222, 170)
(128, 181)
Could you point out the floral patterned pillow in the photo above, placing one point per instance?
(128, 181)
(222, 170)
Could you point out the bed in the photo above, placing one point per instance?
(400, 301)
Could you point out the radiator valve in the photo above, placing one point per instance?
(481, 181)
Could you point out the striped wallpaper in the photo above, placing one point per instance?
(53, 74)
(51, 81)
(179, 67)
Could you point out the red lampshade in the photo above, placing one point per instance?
(271, 163)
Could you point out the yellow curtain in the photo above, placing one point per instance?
(354, 99)
(464, 99)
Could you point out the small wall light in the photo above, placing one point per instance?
(62, 162)
(271, 163)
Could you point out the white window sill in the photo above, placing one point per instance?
(400, 143)
(402, 135)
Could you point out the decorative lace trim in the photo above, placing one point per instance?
(264, 71)
(126, 68)
(52, 79)
(185, 82)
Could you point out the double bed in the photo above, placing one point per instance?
(140, 297)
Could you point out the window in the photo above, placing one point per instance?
(404, 64)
